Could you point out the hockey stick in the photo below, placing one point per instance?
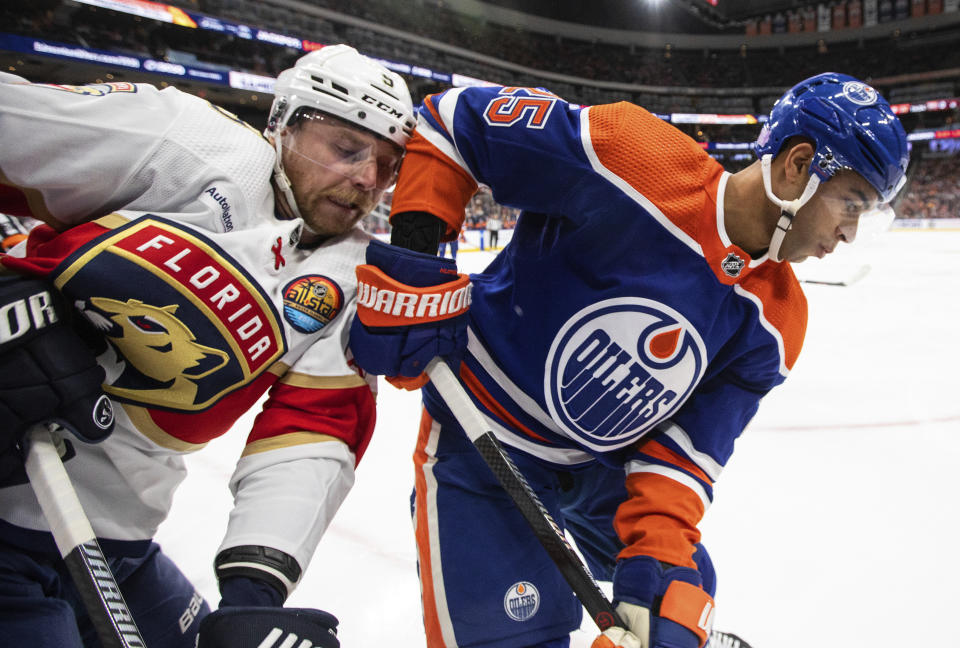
(532, 509)
(856, 276)
(582, 583)
(77, 543)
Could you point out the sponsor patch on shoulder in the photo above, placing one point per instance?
(311, 302)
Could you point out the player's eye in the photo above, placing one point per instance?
(147, 324)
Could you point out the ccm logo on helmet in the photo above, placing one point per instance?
(384, 107)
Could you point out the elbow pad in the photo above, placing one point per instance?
(272, 566)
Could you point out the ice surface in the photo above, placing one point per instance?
(833, 525)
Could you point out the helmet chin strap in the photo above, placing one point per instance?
(284, 185)
(788, 208)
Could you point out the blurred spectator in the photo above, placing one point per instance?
(454, 246)
(933, 190)
(931, 193)
(743, 67)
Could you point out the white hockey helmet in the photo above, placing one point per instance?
(340, 81)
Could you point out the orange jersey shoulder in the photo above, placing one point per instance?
(663, 164)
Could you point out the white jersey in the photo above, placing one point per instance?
(164, 235)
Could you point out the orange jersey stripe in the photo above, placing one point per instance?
(431, 620)
(473, 384)
(629, 141)
(660, 519)
(784, 304)
(660, 451)
(430, 103)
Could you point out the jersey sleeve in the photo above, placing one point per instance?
(75, 153)
(670, 476)
(72, 152)
(523, 143)
(299, 460)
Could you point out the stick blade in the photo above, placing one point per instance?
(725, 640)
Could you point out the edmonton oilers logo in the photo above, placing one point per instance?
(521, 601)
(617, 368)
(311, 302)
(859, 93)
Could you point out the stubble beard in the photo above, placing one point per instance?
(326, 219)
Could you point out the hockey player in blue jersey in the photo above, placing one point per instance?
(617, 346)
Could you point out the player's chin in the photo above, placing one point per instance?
(332, 219)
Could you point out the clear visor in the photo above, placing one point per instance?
(870, 217)
(344, 149)
(875, 222)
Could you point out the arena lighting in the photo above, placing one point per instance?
(174, 15)
(144, 8)
(711, 118)
(925, 106)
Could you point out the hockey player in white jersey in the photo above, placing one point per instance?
(211, 265)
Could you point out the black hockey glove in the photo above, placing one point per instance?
(250, 627)
(47, 372)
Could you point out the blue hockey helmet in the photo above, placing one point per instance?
(851, 125)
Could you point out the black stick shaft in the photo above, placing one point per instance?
(78, 545)
(544, 527)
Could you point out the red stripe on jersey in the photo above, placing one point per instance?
(201, 427)
(431, 182)
(474, 385)
(348, 414)
(46, 248)
(660, 519)
(13, 201)
(17, 200)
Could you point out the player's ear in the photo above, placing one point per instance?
(797, 157)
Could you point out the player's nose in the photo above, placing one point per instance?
(365, 174)
(848, 231)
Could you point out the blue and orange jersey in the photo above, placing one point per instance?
(621, 323)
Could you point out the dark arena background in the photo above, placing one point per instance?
(833, 521)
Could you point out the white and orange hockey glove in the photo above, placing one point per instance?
(662, 607)
(411, 307)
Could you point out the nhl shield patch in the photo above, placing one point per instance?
(733, 265)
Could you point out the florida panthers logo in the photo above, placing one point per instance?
(619, 367)
(157, 348)
(188, 323)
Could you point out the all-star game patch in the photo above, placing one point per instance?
(311, 302)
